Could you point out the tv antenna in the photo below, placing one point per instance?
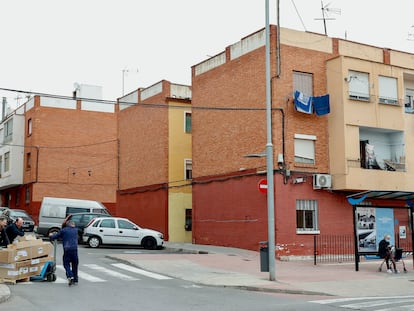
(325, 14)
(411, 34)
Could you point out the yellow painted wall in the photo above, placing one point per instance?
(180, 192)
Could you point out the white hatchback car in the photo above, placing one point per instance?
(121, 231)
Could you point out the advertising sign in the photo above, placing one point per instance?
(372, 224)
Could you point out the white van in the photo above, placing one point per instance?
(53, 212)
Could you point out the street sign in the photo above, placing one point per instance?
(262, 185)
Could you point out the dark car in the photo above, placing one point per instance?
(81, 220)
(28, 222)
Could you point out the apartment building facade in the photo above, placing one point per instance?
(155, 161)
(12, 130)
(68, 148)
(322, 153)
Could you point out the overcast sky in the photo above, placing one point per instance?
(48, 45)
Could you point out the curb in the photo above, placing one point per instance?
(4, 293)
(241, 287)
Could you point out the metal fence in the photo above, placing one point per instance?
(333, 248)
(341, 248)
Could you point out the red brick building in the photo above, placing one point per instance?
(229, 122)
(70, 150)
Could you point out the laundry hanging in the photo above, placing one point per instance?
(321, 105)
(303, 103)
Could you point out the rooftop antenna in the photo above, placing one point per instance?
(411, 34)
(325, 16)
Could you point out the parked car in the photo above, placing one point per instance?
(81, 220)
(53, 212)
(120, 231)
(28, 222)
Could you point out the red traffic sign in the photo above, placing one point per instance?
(262, 185)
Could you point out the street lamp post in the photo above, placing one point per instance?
(269, 158)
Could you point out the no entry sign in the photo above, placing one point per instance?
(262, 186)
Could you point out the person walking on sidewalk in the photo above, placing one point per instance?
(69, 236)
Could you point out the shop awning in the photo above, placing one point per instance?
(357, 198)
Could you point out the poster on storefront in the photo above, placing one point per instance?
(385, 224)
(372, 225)
(403, 232)
(366, 229)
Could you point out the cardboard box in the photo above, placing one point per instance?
(11, 255)
(22, 269)
(41, 250)
(25, 243)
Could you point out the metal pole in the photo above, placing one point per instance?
(269, 158)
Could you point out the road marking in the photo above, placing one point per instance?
(336, 300)
(85, 276)
(111, 272)
(390, 303)
(140, 271)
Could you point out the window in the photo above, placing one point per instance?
(306, 215)
(188, 219)
(409, 101)
(29, 127)
(8, 130)
(388, 93)
(358, 84)
(108, 223)
(187, 122)
(188, 167)
(305, 149)
(74, 210)
(28, 161)
(27, 195)
(6, 161)
(303, 82)
(123, 224)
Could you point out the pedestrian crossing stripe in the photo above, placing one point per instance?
(376, 303)
(339, 300)
(111, 272)
(102, 270)
(140, 271)
(380, 303)
(84, 275)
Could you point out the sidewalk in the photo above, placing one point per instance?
(238, 268)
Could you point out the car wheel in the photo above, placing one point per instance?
(94, 241)
(149, 243)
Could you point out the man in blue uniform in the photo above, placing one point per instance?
(69, 236)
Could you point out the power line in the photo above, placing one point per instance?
(151, 105)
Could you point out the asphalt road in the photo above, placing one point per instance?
(108, 285)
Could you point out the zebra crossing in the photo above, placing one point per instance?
(392, 303)
(98, 274)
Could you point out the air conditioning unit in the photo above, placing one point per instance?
(322, 181)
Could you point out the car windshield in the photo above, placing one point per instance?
(18, 214)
